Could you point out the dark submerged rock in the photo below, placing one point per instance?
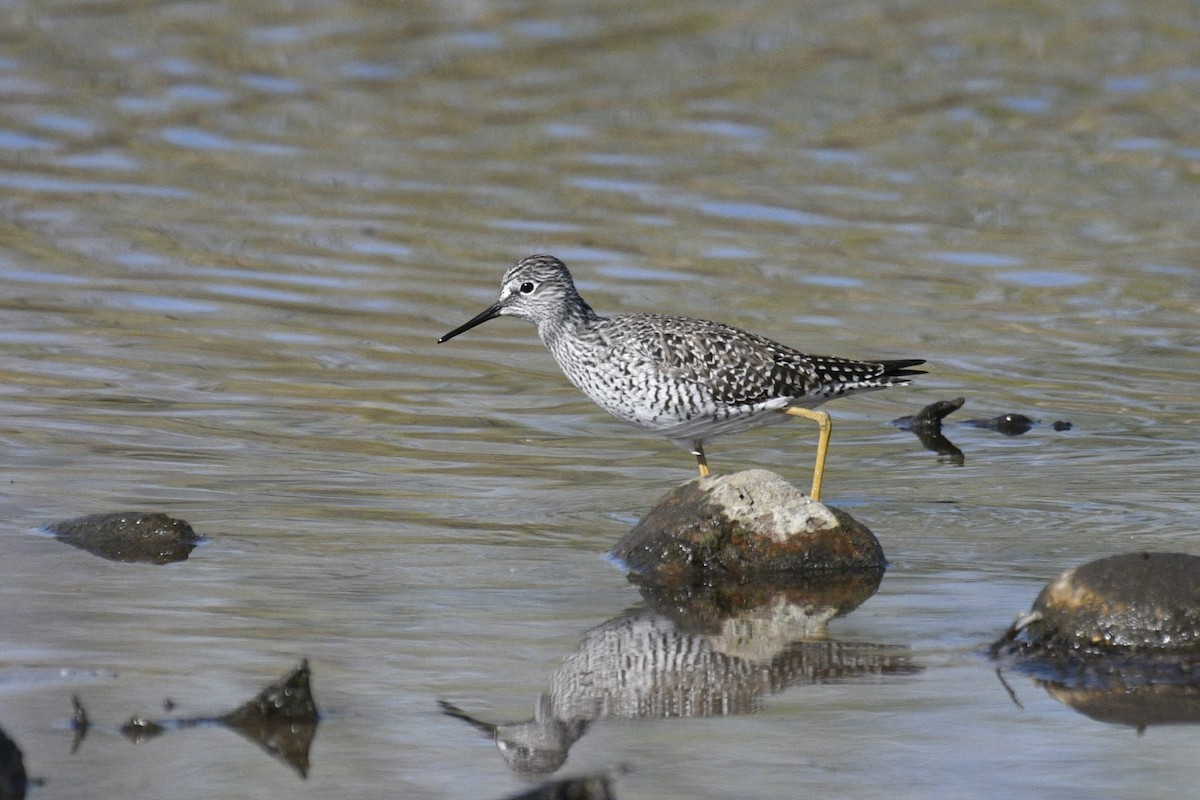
(140, 729)
(1014, 424)
(926, 425)
(131, 536)
(929, 418)
(80, 724)
(13, 781)
(1007, 424)
(742, 524)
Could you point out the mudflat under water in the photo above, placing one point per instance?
(230, 234)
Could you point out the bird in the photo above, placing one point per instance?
(685, 378)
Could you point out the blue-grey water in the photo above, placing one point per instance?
(230, 234)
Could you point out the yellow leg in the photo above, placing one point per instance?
(826, 427)
(700, 460)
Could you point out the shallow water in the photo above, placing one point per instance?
(230, 235)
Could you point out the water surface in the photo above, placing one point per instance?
(231, 234)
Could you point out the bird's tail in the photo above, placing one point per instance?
(901, 367)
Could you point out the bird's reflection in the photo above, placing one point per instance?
(693, 653)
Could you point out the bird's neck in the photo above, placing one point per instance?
(573, 317)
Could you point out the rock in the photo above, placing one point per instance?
(1013, 424)
(140, 729)
(80, 724)
(1130, 603)
(131, 536)
(13, 781)
(926, 425)
(743, 524)
(288, 700)
(1008, 424)
(929, 419)
(1117, 639)
(773, 613)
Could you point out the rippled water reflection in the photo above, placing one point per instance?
(230, 234)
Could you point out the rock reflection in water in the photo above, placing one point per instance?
(281, 719)
(1136, 691)
(754, 619)
(585, 787)
(1135, 706)
(700, 661)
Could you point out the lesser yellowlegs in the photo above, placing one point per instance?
(687, 379)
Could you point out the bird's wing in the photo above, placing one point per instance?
(733, 366)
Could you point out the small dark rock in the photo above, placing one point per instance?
(926, 424)
(13, 781)
(148, 538)
(80, 724)
(930, 417)
(1062, 425)
(743, 524)
(1007, 424)
(139, 729)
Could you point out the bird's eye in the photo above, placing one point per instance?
(527, 287)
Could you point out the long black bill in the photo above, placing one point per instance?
(490, 312)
